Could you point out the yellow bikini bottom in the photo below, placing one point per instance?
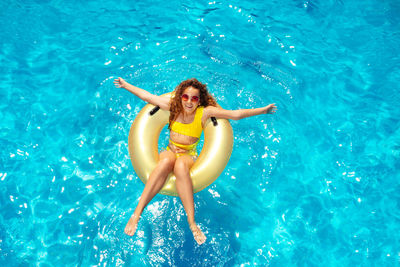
(190, 149)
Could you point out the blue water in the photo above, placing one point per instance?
(316, 184)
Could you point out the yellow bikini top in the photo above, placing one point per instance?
(193, 129)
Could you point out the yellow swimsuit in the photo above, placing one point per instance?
(193, 129)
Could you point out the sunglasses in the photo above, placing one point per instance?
(194, 98)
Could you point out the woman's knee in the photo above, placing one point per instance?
(181, 166)
(167, 161)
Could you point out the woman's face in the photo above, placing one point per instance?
(190, 99)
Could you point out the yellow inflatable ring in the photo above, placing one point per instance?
(143, 149)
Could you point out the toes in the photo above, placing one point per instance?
(202, 239)
(131, 227)
(127, 231)
(198, 234)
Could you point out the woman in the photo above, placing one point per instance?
(189, 108)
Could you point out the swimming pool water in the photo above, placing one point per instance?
(316, 184)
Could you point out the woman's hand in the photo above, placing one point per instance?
(120, 83)
(161, 101)
(271, 108)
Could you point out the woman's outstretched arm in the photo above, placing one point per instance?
(218, 112)
(162, 102)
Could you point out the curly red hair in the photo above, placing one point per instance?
(206, 99)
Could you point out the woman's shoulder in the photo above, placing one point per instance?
(207, 112)
(209, 109)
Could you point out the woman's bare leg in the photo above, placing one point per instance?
(185, 191)
(153, 185)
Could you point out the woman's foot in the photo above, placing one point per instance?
(131, 226)
(197, 234)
